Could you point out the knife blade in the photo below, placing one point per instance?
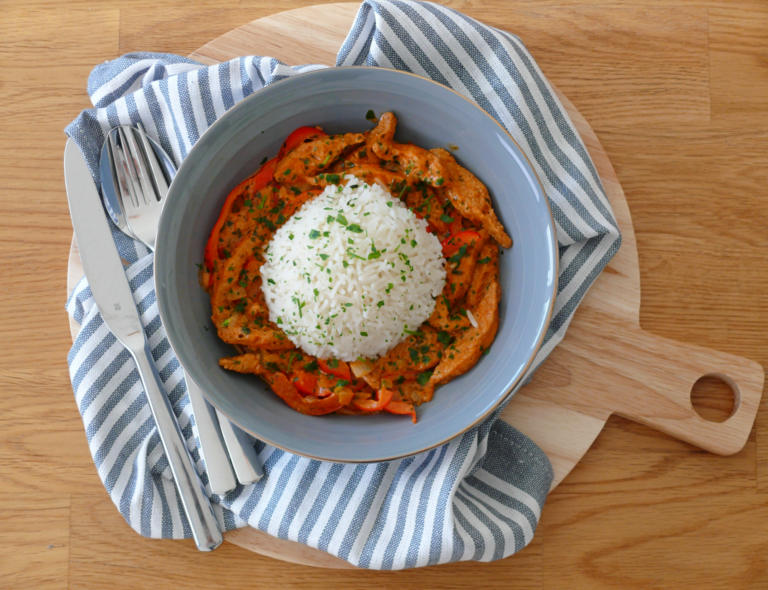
(112, 293)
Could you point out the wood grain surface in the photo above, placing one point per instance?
(686, 131)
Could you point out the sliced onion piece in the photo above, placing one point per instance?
(360, 368)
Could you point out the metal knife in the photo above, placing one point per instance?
(110, 289)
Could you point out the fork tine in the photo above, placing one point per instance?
(142, 168)
(140, 165)
(143, 208)
(158, 178)
(124, 187)
(118, 180)
(137, 195)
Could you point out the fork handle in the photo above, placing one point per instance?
(220, 475)
(241, 451)
(205, 527)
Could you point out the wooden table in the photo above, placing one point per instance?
(677, 92)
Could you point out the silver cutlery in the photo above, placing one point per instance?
(141, 185)
(246, 463)
(135, 179)
(220, 475)
(113, 177)
(112, 293)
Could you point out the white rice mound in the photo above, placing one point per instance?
(352, 273)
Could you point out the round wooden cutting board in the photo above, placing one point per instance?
(606, 363)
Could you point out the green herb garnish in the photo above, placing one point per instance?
(423, 378)
(299, 304)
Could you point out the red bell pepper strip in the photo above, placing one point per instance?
(305, 382)
(341, 370)
(370, 405)
(258, 181)
(452, 244)
(291, 396)
(398, 407)
(300, 135)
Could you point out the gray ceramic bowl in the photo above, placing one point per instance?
(430, 115)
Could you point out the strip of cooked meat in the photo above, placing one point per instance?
(238, 319)
(426, 203)
(486, 271)
(418, 164)
(245, 363)
(442, 319)
(226, 287)
(383, 132)
(463, 354)
(461, 266)
(418, 352)
(262, 212)
(356, 156)
(393, 181)
(471, 198)
(314, 156)
(267, 338)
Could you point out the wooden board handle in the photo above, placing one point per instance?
(664, 373)
(648, 379)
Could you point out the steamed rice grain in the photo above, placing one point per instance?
(352, 273)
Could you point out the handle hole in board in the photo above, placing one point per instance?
(714, 397)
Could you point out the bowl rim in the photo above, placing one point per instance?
(502, 396)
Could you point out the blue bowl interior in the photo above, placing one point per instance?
(429, 115)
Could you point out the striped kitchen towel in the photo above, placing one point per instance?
(480, 496)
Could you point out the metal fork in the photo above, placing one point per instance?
(141, 187)
(141, 184)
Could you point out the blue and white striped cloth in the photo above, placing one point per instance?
(478, 497)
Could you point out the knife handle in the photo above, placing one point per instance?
(205, 527)
(220, 474)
